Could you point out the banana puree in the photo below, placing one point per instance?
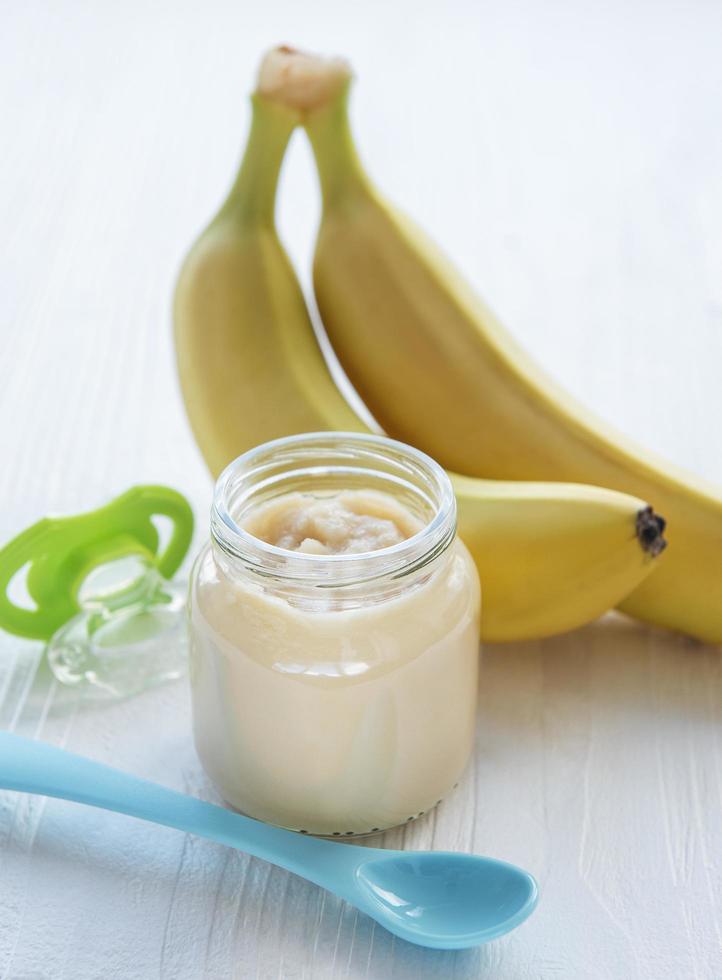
(350, 522)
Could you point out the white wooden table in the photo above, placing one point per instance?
(569, 155)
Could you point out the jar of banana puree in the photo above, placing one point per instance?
(334, 623)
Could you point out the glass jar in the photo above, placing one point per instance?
(334, 694)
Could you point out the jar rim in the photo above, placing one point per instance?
(337, 570)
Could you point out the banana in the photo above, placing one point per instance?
(438, 371)
(248, 371)
(550, 556)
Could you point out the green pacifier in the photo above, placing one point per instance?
(99, 585)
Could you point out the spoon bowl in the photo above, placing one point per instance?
(432, 898)
(444, 899)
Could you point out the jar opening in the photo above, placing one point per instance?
(326, 463)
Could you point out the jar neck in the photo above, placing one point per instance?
(326, 464)
(319, 598)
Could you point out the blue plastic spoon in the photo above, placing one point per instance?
(432, 898)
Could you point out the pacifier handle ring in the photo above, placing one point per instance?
(159, 501)
(62, 552)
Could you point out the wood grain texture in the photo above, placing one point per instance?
(569, 156)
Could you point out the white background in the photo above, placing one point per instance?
(569, 157)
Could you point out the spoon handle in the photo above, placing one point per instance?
(34, 767)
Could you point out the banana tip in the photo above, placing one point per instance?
(650, 531)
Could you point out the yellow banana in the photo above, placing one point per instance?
(438, 371)
(247, 370)
(550, 556)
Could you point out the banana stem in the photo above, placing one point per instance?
(251, 201)
(339, 167)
